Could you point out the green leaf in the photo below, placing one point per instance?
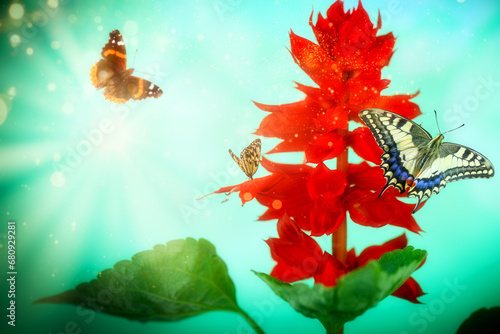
(178, 280)
(355, 292)
(484, 321)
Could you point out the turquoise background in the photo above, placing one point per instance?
(136, 187)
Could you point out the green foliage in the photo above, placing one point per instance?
(355, 292)
(178, 280)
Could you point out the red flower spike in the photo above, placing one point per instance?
(329, 270)
(349, 38)
(346, 65)
(362, 142)
(297, 254)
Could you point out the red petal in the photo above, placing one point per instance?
(329, 270)
(326, 34)
(286, 169)
(333, 118)
(375, 252)
(365, 177)
(325, 147)
(362, 142)
(323, 219)
(287, 119)
(289, 274)
(382, 51)
(355, 38)
(294, 249)
(410, 290)
(323, 181)
(368, 209)
(318, 65)
(400, 104)
(317, 95)
(336, 14)
(297, 208)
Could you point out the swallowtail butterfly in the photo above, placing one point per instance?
(249, 158)
(414, 160)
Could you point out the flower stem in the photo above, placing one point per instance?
(339, 237)
(251, 322)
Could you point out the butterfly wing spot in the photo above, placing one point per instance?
(416, 161)
(115, 53)
(140, 89)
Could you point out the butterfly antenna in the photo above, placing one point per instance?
(458, 127)
(436, 115)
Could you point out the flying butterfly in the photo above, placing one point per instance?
(111, 73)
(249, 158)
(415, 161)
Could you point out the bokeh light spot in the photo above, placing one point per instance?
(55, 45)
(29, 51)
(67, 108)
(53, 3)
(12, 92)
(16, 11)
(57, 179)
(277, 204)
(15, 40)
(247, 196)
(130, 28)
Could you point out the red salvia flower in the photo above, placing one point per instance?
(299, 256)
(346, 65)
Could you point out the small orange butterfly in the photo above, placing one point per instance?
(112, 74)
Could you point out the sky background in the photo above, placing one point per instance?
(135, 186)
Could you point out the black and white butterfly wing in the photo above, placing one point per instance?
(249, 158)
(413, 160)
(401, 140)
(454, 162)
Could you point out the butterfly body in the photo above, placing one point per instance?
(416, 162)
(112, 74)
(249, 158)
